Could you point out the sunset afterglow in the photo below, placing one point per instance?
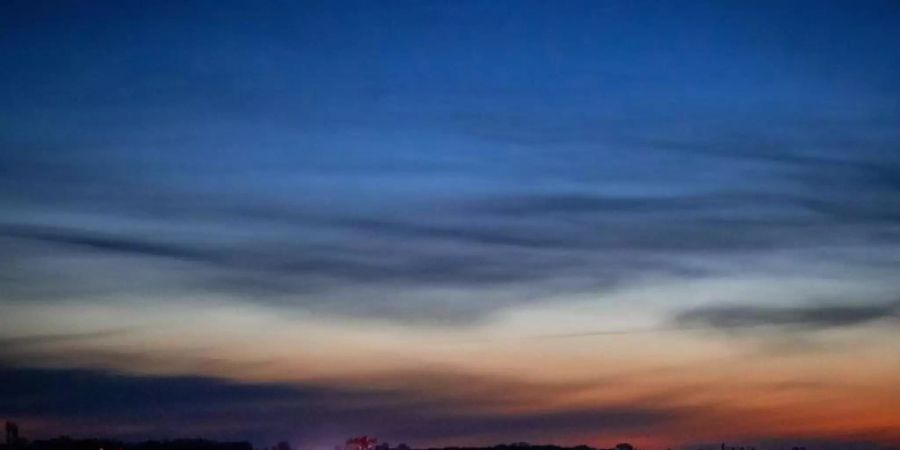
(673, 224)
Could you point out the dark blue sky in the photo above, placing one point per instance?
(445, 171)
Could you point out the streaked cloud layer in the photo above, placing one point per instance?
(452, 223)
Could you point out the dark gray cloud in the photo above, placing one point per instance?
(572, 204)
(812, 317)
(305, 413)
(38, 340)
(103, 242)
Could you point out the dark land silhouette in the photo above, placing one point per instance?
(14, 441)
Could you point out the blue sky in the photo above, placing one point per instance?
(433, 172)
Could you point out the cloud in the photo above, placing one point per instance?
(37, 340)
(546, 204)
(308, 412)
(573, 204)
(509, 250)
(813, 317)
(102, 242)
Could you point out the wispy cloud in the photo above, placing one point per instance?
(811, 317)
(102, 242)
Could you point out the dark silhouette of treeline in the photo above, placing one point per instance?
(66, 443)
(512, 446)
(15, 442)
(520, 446)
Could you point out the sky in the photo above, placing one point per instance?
(452, 223)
